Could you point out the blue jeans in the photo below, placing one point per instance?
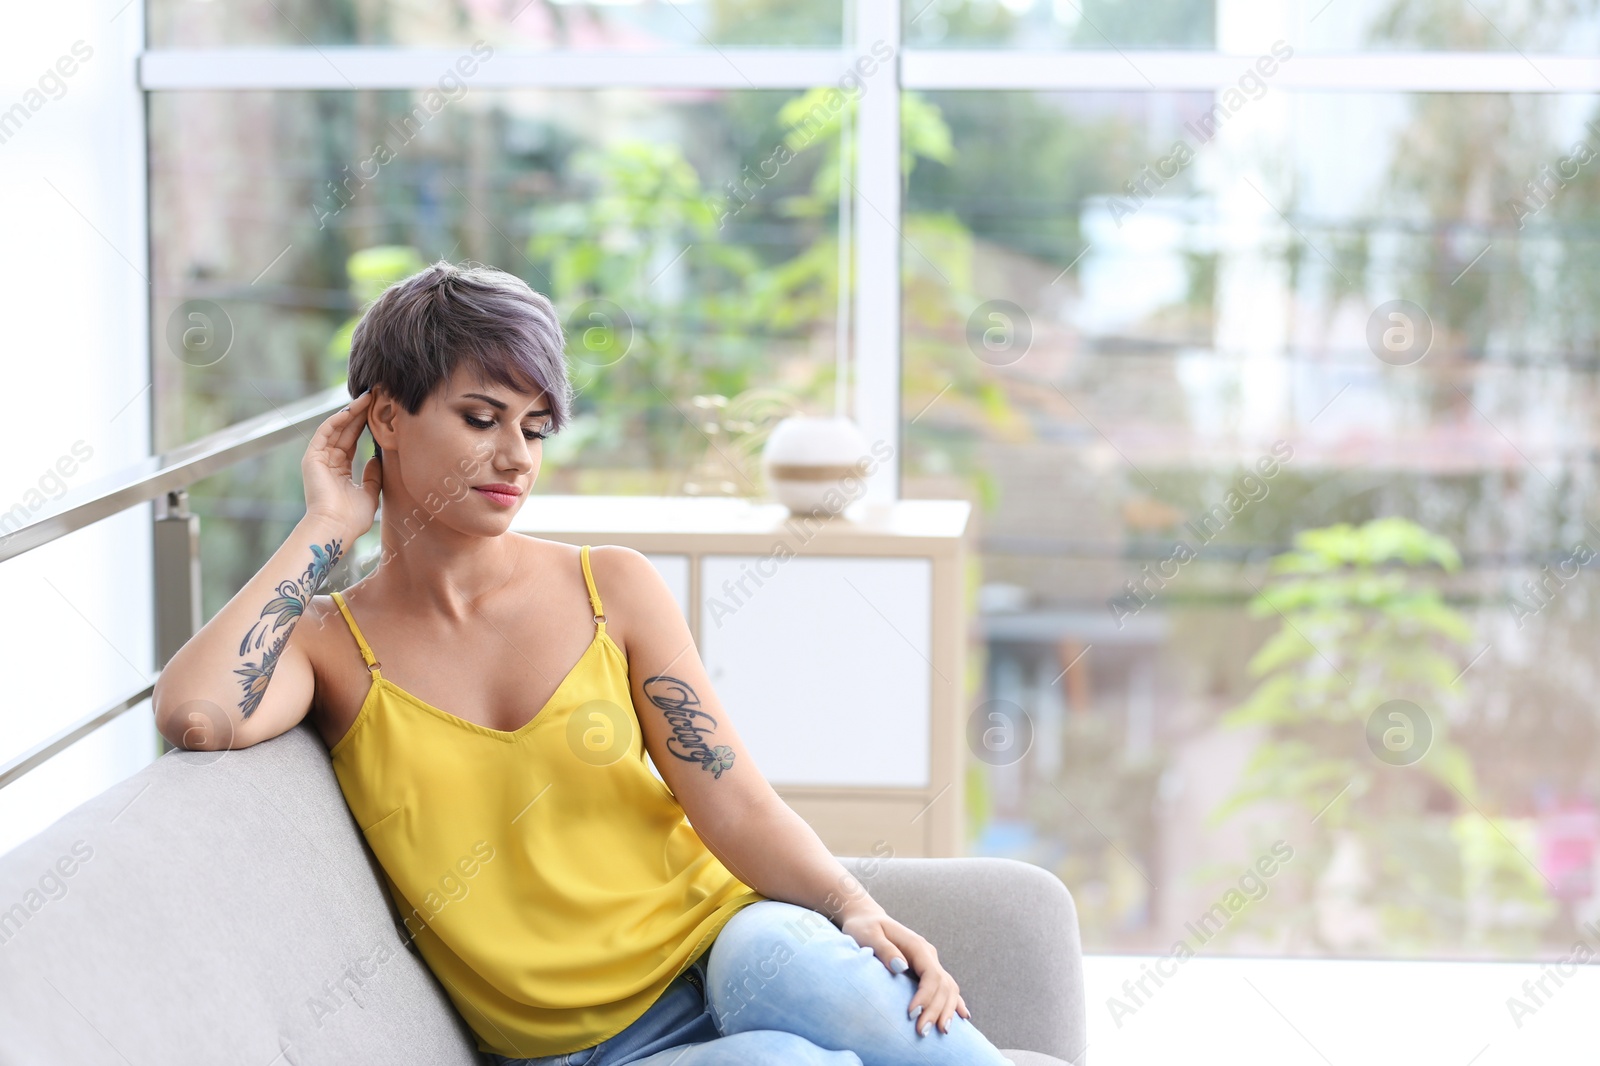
(781, 984)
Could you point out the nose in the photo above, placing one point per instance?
(515, 455)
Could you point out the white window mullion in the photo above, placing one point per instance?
(341, 67)
(877, 223)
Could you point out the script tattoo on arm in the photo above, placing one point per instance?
(681, 707)
(282, 612)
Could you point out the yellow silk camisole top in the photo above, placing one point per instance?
(549, 878)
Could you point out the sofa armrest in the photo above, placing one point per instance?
(1008, 933)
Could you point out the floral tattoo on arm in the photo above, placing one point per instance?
(681, 708)
(282, 613)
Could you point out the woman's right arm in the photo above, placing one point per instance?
(244, 678)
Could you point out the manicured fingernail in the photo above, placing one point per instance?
(897, 965)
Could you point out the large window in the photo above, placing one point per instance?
(1262, 340)
(1342, 288)
(281, 214)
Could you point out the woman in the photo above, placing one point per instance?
(488, 713)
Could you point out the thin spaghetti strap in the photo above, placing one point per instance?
(355, 631)
(594, 595)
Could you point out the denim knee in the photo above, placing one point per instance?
(759, 931)
(768, 952)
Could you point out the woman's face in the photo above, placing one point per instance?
(467, 458)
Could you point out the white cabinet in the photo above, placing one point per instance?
(827, 661)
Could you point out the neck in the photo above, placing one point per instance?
(439, 571)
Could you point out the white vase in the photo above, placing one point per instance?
(816, 464)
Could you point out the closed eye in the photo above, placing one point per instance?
(478, 423)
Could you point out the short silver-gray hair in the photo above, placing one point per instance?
(420, 328)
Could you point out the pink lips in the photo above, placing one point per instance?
(504, 499)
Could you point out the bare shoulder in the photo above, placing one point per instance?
(632, 590)
(619, 568)
(320, 627)
(539, 556)
(320, 613)
(612, 565)
(316, 628)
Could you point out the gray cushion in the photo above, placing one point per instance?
(223, 907)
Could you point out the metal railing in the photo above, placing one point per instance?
(164, 478)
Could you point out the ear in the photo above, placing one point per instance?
(382, 416)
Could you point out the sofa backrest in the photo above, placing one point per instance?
(214, 907)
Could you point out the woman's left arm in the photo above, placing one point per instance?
(742, 821)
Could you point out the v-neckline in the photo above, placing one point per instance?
(600, 637)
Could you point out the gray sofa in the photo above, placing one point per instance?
(222, 907)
